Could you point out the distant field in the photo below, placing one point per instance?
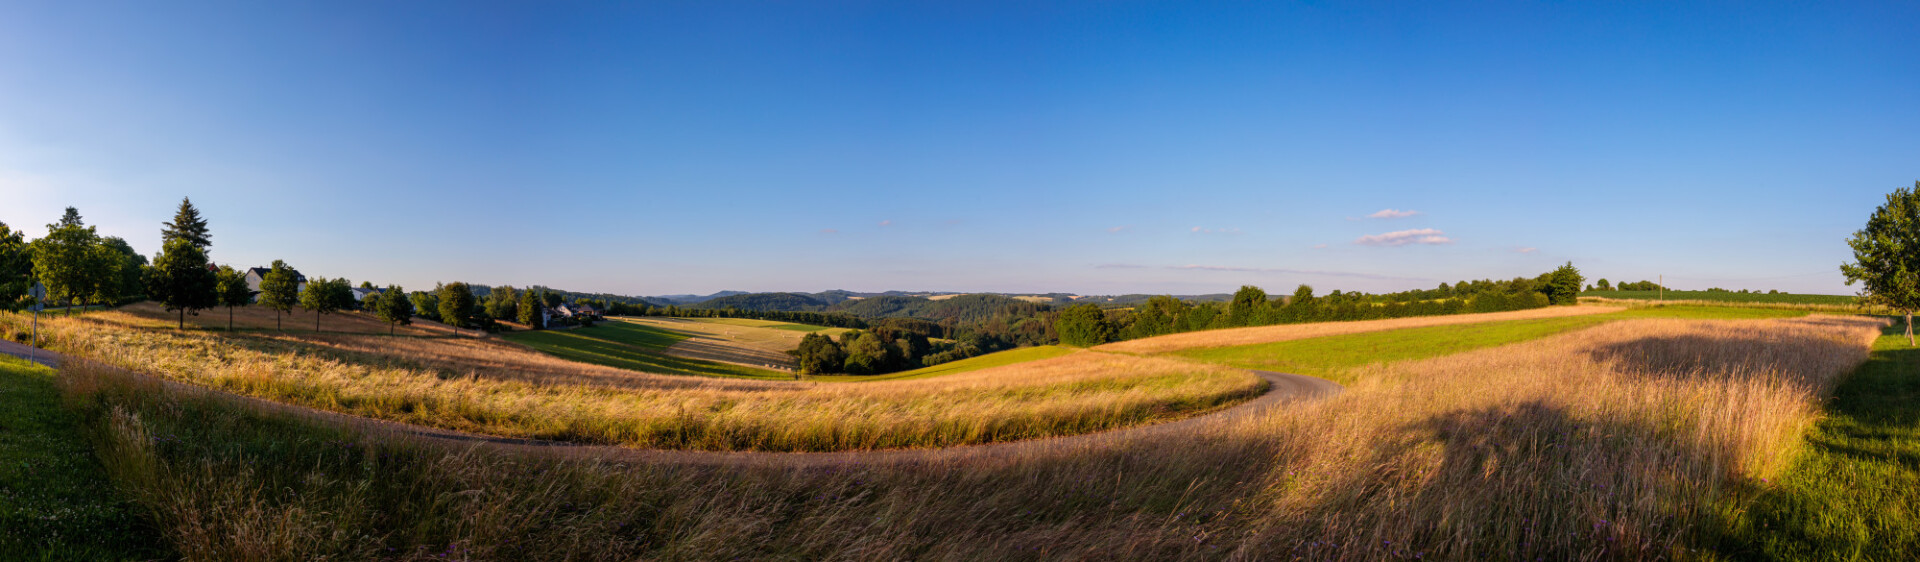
(1720, 296)
(1335, 357)
(633, 347)
(990, 360)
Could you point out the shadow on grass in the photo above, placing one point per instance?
(1854, 491)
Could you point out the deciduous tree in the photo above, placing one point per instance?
(456, 305)
(1081, 325)
(1886, 255)
(72, 263)
(16, 268)
(279, 290)
(231, 287)
(395, 308)
(181, 280)
(324, 296)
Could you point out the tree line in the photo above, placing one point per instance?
(1087, 324)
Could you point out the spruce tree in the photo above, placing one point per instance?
(187, 225)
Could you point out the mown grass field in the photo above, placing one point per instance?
(1645, 428)
(56, 502)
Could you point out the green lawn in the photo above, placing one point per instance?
(56, 502)
(1008, 357)
(1334, 357)
(1854, 491)
(633, 347)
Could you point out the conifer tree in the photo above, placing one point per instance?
(187, 225)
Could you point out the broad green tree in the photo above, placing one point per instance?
(187, 225)
(503, 302)
(1248, 307)
(1563, 285)
(16, 268)
(1886, 255)
(181, 280)
(425, 303)
(456, 305)
(326, 296)
(1082, 325)
(279, 290)
(395, 308)
(74, 265)
(131, 266)
(230, 285)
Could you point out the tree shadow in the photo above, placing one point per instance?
(1695, 356)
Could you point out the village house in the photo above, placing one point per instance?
(256, 274)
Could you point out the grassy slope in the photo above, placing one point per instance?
(1854, 491)
(633, 347)
(1333, 357)
(997, 359)
(55, 500)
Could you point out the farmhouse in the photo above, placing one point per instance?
(360, 293)
(256, 274)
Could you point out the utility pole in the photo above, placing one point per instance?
(1663, 286)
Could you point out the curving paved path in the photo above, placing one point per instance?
(1282, 388)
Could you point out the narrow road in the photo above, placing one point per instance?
(1282, 388)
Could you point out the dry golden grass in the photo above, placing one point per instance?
(493, 387)
(260, 318)
(1606, 444)
(1284, 332)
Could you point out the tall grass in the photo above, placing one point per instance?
(493, 387)
(1607, 443)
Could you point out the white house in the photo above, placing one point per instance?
(256, 274)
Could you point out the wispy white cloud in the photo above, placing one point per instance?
(1392, 214)
(1404, 237)
(1203, 230)
(888, 222)
(1319, 246)
(829, 231)
(1120, 228)
(1526, 249)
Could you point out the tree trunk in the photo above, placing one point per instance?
(229, 318)
(1909, 328)
(316, 320)
(183, 318)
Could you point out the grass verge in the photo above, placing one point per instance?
(1853, 493)
(56, 502)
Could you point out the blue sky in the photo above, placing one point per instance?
(1099, 148)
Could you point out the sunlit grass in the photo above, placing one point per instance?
(56, 502)
(1608, 443)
